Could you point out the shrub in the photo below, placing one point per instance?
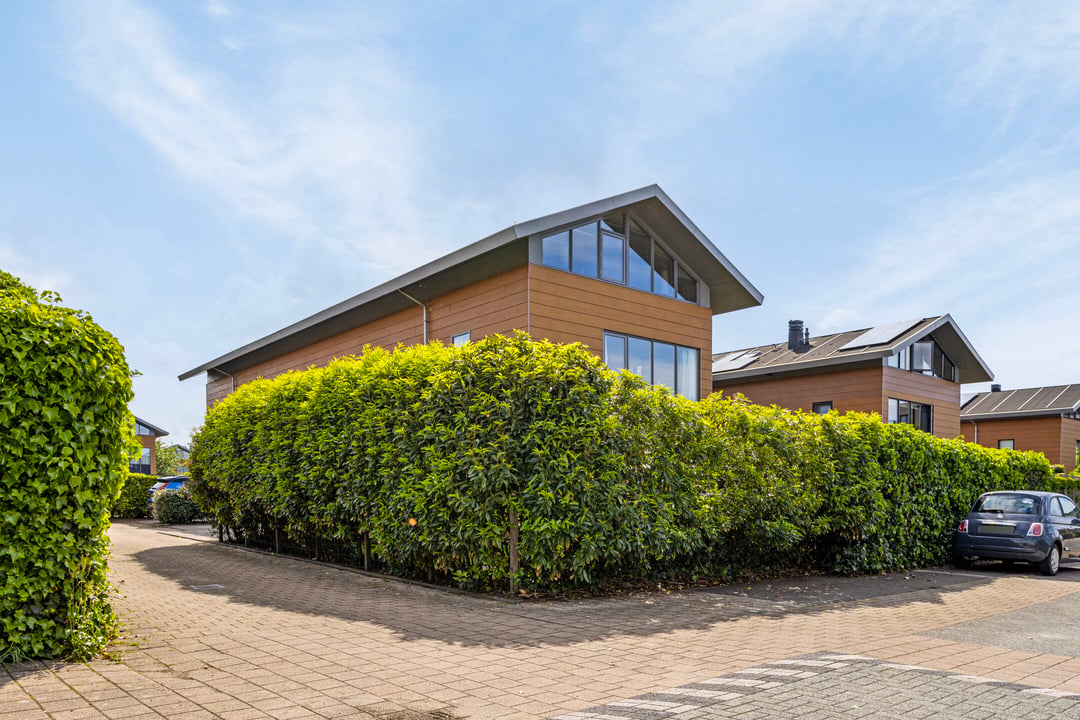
(175, 506)
(64, 389)
(428, 458)
(134, 497)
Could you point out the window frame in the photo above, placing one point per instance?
(823, 407)
(1011, 444)
(603, 230)
(678, 381)
(939, 361)
(914, 408)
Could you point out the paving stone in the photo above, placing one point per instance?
(297, 639)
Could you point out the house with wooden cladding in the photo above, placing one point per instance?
(630, 276)
(907, 372)
(1043, 419)
(147, 434)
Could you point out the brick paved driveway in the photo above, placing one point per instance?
(217, 632)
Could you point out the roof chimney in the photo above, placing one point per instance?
(797, 338)
(995, 388)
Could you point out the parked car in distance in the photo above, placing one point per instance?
(172, 482)
(1041, 528)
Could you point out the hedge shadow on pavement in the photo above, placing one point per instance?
(419, 612)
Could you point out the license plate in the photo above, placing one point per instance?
(993, 528)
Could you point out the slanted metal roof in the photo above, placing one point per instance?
(851, 348)
(728, 288)
(1025, 402)
(158, 432)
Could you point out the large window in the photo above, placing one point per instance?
(618, 249)
(142, 465)
(927, 358)
(920, 415)
(673, 366)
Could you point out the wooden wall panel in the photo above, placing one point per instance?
(497, 305)
(217, 390)
(564, 307)
(547, 303)
(150, 443)
(1054, 436)
(942, 394)
(1070, 437)
(857, 390)
(405, 326)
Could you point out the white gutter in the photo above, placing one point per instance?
(425, 307)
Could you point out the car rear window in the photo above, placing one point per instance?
(1014, 504)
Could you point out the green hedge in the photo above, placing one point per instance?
(424, 456)
(67, 435)
(134, 498)
(175, 506)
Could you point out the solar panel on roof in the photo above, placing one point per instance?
(735, 361)
(881, 334)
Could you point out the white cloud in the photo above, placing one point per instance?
(1020, 52)
(216, 8)
(328, 152)
(686, 62)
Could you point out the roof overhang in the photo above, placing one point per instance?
(952, 340)
(1017, 415)
(728, 288)
(1047, 401)
(158, 432)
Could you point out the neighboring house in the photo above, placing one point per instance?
(147, 434)
(630, 276)
(1044, 419)
(907, 371)
(183, 453)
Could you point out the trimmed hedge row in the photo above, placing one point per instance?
(429, 457)
(134, 497)
(67, 435)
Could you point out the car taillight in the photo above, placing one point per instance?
(1035, 530)
(963, 526)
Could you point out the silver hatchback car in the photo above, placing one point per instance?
(1041, 528)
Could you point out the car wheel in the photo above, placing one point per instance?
(1050, 565)
(961, 562)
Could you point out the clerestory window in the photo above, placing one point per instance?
(927, 358)
(618, 249)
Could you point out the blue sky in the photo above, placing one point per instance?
(199, 174)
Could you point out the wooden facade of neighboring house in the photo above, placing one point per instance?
(630, 277)
(147, 435)
(907, 371)
(1045, 419)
